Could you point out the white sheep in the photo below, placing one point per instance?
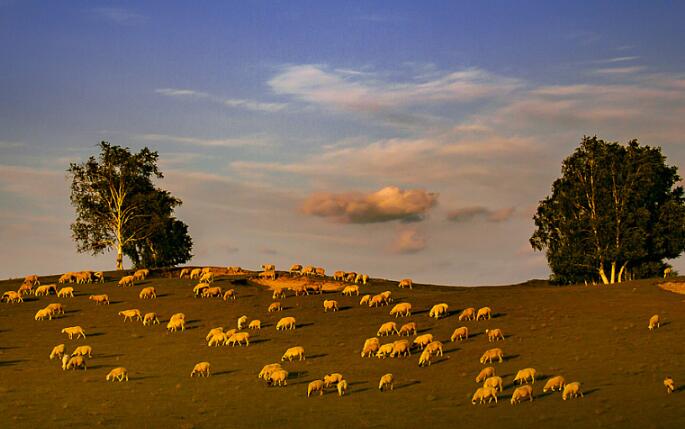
(387, 328)
(319, 271)
(401, 309)
(74, 330)
(408, 329)
(423, 340)
(400, 348)
(229, 294)
(654, 322)
(342, 387)
(255, 324)
(178, 316)
(207, 278)
(12, 297)
(295, 269)
(201, 369)
(175, 324)
(126, 281)
(25, 289)
(491, 354)
(56, 308)
(150, 319)
(339, 275)
(522, 376)
(270, 275)
(57, 352)
(485, 373)
(268, 267)
(195, 273)
(494, 334)
(214, 331)
(571, 390)
(267, 370)
(45, 290)
(217, 339)
(494, 382)
(141, 274)
(83, 351)
(99, 276)
(286, 323)
(292, 353)
(434, 347)
(212, 292)
(315, 386)
(147, 293)
(99, 299)
(484, 313)
(385, 350)
(67, 278)
(484, 393)
(387, 382)
(279, 293)
(669, 384)
(199, 289)
(461, 333)
(117, 374)
(275, 306)
(330, 304)
(331, 379)
(32, 280)
(309, 270)
(406, 283)
(371, 346)
(278, 377)
(439, 310)
(185, 272)
(42, 314)
(467, 314)
(242, 320)
(425, 358)
(349, 290)
(377, 301)
(350, 276)
(521, 393)
(554, 383)
(365, 300)
(130, 314)
(239, 338)
(73, 362)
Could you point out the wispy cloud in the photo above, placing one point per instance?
(620, 70)
(249, 141)
(618, 60)
(466, 214)
(408, 241)
(253, 105)
(120, 16)
(5, 144)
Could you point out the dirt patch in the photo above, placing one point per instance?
(677, 287)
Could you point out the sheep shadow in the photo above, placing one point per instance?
(510, 357)
(226, 372)
(100, 366)
(12, 362)
(497, 315)
(421, 331)
(143, 377)
(32, 299)
(449, 351)
(193, 321)
(590, 392)
(115, 302)
(439, 361)
(475, 334)
(162, 295)
(266, 325)
(317, 356)
(356, 383)
(259, 340)
(665, 323)
(343, 308)
(355, 391)
(95, 334)
(405, 385)
(420, 312)
(72, 311)
(294, 375)
(112, 355)
(304, 325)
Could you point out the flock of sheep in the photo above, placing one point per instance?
(491, 385)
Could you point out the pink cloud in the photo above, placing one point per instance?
(466, 214)
(408, 241)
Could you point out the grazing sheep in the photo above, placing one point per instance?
(117, 374)
(141, 274)
(467, 314)
(148, 293)
(99, 299)
(330, 379)
(67, 278)
(309, 270)
(213, 332)
(654, 322)
(12, 297)
(339, 275)
(295, 269)
(315, 386)
(484, 313)
(439, 310)
(99, 276)
(349, 290)
(25, 289)
(319, 271)
(521, 393)
(400, 348)
(199, 289)
(425, 358)
(342, 387)
(74, 330)
(668, 383)
(315, 288)
(239, 338)
(349, 277)
(217, 339)
(178, 316)
(270, 275)
(267, 370)
(365, 300)
(300, 290)
(292, 353)
(572, 390)
(126, 281)
(57, 352)
(387, 382)
(255, 324)
(185, 272)
(330, 304)
(195, 273)
(494, 334)
(434, 347)
(55, 308)
(522, 376)
(484, 393)
(242, 320)
(73, 362)
(278, 378)
(268, 267)
(423, 340)
(42, 314)
(130, 314)
(388, 328)
(491, 354)
(274, 306)
(408, 329)
(406, 283)
(83, 351)
(401, 309)
(207, 278)
(286, 323)
(385, 350)
(371, 346)
(201, 369)
(205, 270)
(45, 290)
(494, 382)
(212, 292)
(377, 301)
(461, 333)
(150, 319)
(175, 324)
(229, 294)
(485, 373)
(32, 280)
(554, 383)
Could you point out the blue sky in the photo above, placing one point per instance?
(397, 138)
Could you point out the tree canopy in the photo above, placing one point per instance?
(118, 207)
(615, 212)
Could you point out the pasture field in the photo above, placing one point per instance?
(596, 335)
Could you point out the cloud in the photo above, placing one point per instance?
(618, 60)
(5, 144)
(619, 70)
(467, 214)
(120, 16)
(408, 241)
(388, 204)
(250, 141)
(253, 105)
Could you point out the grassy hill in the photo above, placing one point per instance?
(595, 335)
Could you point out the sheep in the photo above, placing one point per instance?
(654, 322)
(199, 289)
(214, 331)
(229, 294)
(67, 278)
(438, 310)
(339, 275)
(293, 352)
(117, 374)
(99, 299)
(309, 270)
(205, 270)
(42, 314)
(57, 352)
(207, 278)
(286, 323)
(12, 297)
(572, 390)
(130, 314)
(295, 269)
(242, 320)
(73, 362)
(484, 313)
(521, 393)
(330, 304)
(267, 370)
(669, 384)
(315, 386)
(387, 382)
(385, 350)
(148, 293)
(425, 358)
(212, 292)
(178, 316)
(74, 330)
(467, 314)
(349, 277)
(490, 354)
(370, 345)
(408, 329)
(377, 301)
(523, 375)
(175, 324)
(274, 306)
(83, 277)
(387, 328)
(185, 272)
(45, 290)
(279, 377)
(255, 324)
(494, 382)
(195, 273)
(271, 275)
(460, 334)
(365, 300)
(83, 351)
(406, 283)
(201, 369)
(150, 319)
(434, 347)
(25, 289)
(238, 338)
(554, 383)
(484, 393)
(494, 334)
(32, 280)
(217, 339)
(99, 276)
(141, 274)
(667, 271)
(56, 308)
(401, 309)
(485, 373)
(330, 379)
(400, 348)
(319, 271)
(126, 281)
(342, 387)
(349, 290)
(423, 340)
(279, 293)
(268, 267)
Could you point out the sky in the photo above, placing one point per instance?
(398, 138)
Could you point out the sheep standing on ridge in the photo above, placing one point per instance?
(406, 283)
(32, 280)
(99, 276)
(207, 278)
(295, 269)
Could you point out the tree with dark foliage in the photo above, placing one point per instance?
(614, 213)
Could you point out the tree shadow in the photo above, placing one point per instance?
(405, 385)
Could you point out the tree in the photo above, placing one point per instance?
(615, 209)
(118, 207)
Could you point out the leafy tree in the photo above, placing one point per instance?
(614, 211)
(118, 207)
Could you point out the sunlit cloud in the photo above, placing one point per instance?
(253, 105)
(408, 241)
(250, 141)
(467, 214)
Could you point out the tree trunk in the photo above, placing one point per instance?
(613, 272)
(120, 257)
(603, 275)
(621, 271)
